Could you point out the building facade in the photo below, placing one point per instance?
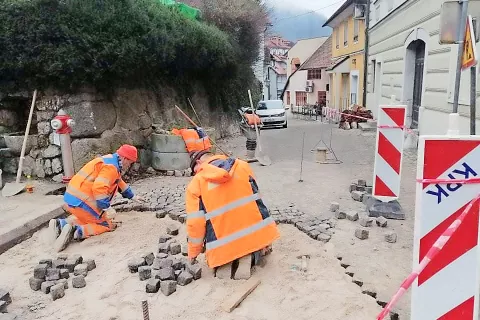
(275, 74)
(406, 60)
(348, 44)
(295, 93)
(309, 84)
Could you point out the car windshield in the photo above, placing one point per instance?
(274, 104)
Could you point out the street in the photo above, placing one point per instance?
(324, 291)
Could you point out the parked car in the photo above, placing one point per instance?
(272, 113)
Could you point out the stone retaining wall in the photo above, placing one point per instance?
(102, 125)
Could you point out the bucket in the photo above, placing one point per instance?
(321, 155)
(1, 182)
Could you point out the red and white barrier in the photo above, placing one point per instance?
(448, 287)
(331, 114)
(389, 152)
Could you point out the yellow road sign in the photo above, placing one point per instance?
(469, 56)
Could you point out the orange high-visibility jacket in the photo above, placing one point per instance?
(94, 186)
(252, 118)
(193, 140)
(225, 212)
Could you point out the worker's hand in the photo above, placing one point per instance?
(192, 260)
(110, 213)
(138, 199)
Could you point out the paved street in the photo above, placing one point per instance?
(381, 265)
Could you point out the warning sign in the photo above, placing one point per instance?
(469, 57)
(447, 287)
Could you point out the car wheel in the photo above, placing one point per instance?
(285, 125)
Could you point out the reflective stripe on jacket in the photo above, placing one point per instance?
(193, 140)
(226, 213)
(94, 186)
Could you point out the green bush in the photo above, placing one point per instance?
(66, 44)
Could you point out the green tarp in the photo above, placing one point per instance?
(187, 11)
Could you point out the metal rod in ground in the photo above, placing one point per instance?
(301, 162)
(146, 315)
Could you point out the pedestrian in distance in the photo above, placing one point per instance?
(88, 198)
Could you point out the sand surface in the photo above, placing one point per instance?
(323, 292)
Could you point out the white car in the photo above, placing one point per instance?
(272, 113)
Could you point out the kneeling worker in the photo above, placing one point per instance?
(225, 213)
(88, 195)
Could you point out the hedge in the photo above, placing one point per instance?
(66, 44)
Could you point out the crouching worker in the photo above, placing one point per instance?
(88, 195)
(226, 217)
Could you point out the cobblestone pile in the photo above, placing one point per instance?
(163, 200)
(166, 268)
(51, 275)
(316, 228)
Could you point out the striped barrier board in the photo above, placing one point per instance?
(332, 114)
(389, 152)
(448, 287)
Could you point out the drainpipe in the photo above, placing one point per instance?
(365, 60)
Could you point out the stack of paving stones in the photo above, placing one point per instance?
(51, 275)
(366, 288)
(365, 222)
(316, 228)
(167, 268)
(164, 200)
(360, 190)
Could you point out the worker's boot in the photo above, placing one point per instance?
(65, 237)
(224, 272)
(53, 230)
(244, 269)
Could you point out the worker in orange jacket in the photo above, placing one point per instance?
(195, 139)
(88, 196)
(247, 125)
(226, 216)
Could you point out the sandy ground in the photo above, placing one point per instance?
(381, 265)
(323, 292)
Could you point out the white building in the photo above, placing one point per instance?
(406, 60)
(258, 67)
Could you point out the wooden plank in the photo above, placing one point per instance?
(240, 294)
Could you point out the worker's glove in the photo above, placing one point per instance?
(138, 199)
(110, 213)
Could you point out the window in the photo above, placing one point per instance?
(345, 34)
(377, 12)
(337, 38)
(314, 74)
(300, 98)
(374, 64)
(322, 98)
(355, 30)
(288, 97)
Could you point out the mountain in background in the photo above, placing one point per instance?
(306, 25)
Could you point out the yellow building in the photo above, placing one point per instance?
(348, 44)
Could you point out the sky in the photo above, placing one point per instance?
(301, 19)
(327, 7)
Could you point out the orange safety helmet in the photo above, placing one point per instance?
(129, 152)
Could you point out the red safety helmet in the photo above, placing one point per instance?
(129, 152)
